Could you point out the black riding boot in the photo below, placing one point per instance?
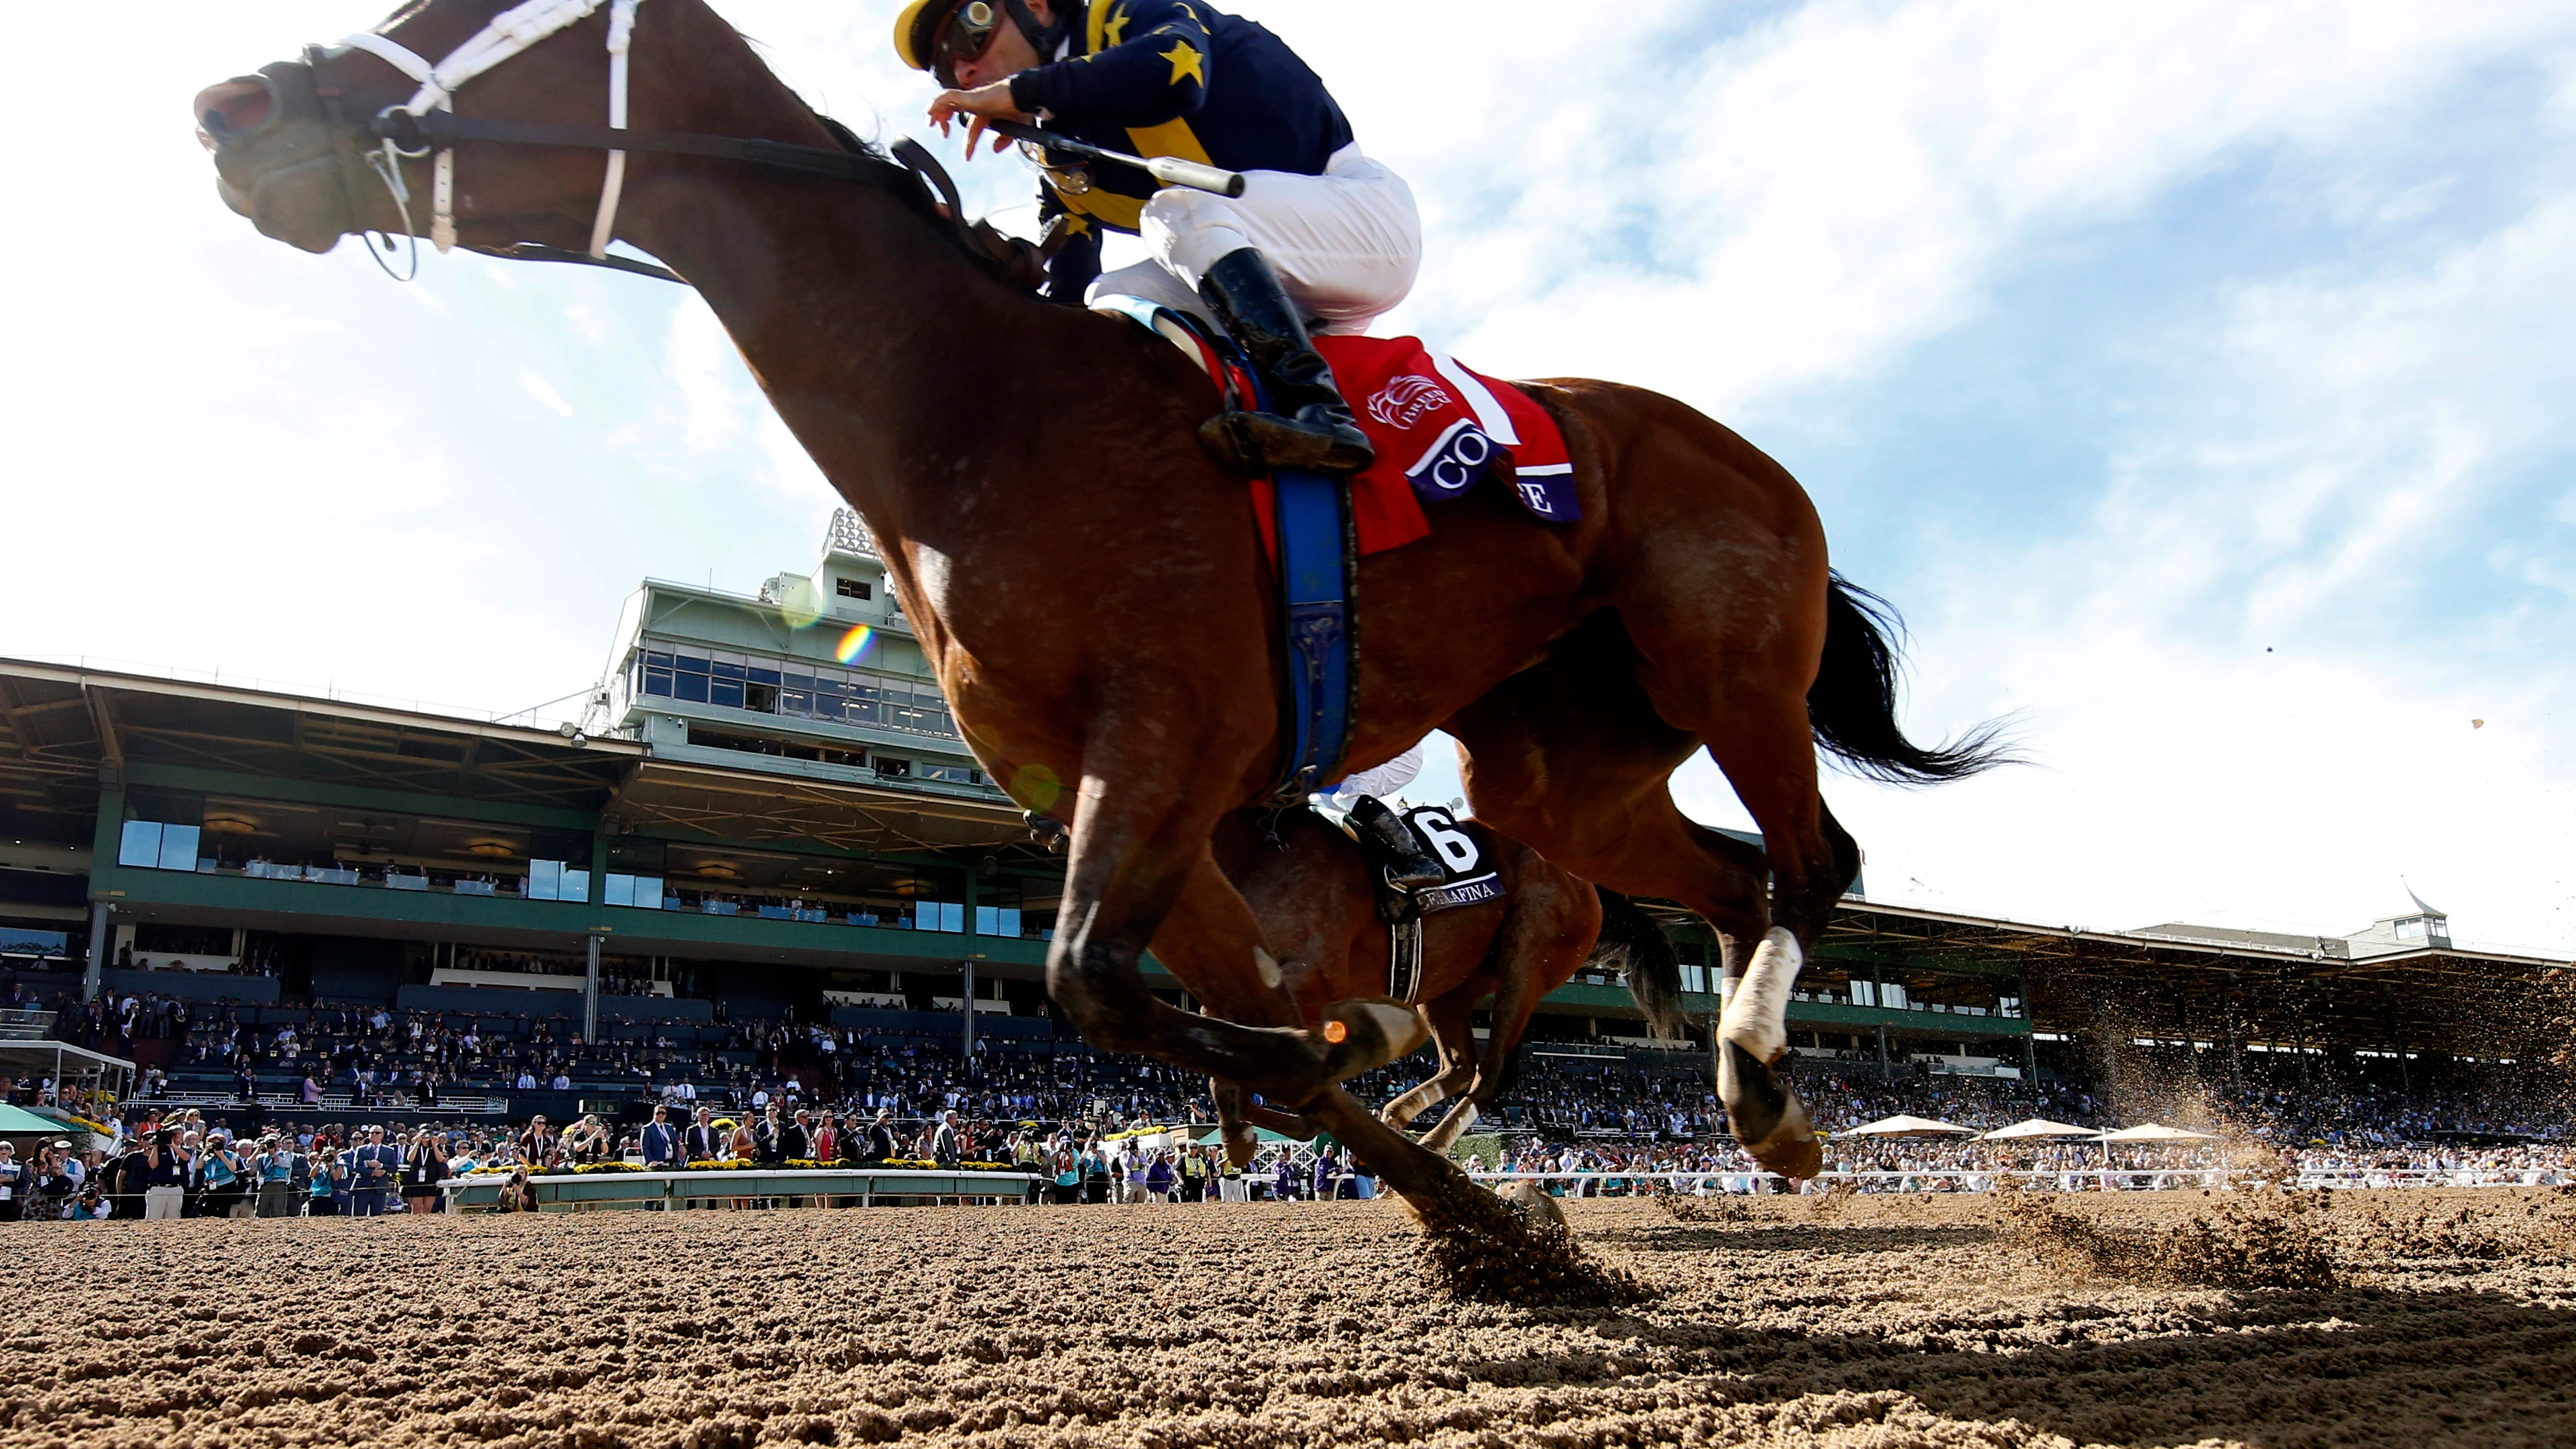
(1414, 866)
(1313, 428)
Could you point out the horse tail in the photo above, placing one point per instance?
(1646, 955)
(1852, 704)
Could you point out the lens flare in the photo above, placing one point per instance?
(854, 644)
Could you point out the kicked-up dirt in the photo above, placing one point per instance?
(2413, 1319)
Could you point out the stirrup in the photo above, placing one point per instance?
(1257, 444)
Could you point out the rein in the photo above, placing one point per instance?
(428, 125)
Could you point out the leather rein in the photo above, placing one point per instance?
(428, 125)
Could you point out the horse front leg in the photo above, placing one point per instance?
(1140, 873)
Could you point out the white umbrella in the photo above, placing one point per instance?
(2037, 1127)
(1901, 1126)
(2157, 1132)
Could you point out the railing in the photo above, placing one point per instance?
(1972, 1180)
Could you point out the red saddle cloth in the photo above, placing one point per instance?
(1441, 431)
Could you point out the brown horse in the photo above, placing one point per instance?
(1309, 886)
(1005, 451)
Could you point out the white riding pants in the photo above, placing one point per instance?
(1346, 244)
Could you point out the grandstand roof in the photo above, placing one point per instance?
(68, 726)
(2143, 984)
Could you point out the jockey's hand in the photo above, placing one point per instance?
(992, 102)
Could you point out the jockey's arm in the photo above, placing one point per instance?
(1158, 70)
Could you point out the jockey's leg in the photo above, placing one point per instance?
(1415, 867)
(1335, 250)
(1309, 424)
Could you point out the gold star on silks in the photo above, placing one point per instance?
(1185, 62)
(1115, 32)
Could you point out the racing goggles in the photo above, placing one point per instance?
(963, 36)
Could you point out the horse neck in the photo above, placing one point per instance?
(859, 319)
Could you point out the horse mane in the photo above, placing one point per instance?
(920, 184)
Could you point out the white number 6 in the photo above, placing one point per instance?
(1454, 847)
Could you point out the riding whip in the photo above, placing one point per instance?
(1169, 170)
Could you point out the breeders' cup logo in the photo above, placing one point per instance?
(1401, 403)
(1454, 463)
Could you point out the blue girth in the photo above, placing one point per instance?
(1316, 553)
(1318, 562)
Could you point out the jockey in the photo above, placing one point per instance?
(1357, 798)
(1321, 231)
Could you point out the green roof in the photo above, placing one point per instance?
(19, 1122)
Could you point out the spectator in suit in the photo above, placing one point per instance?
(800, 1137)
(373, 1169)
(661, 1143)
(947, 1144)
(880, 1144)
(705, 1141)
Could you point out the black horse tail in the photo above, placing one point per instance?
(1852, 704)
(1654, 971)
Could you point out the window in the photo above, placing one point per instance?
(689, 677)
(2410, 930)
(893, 769)
(851, 588)
(953, 774)
(149, 845)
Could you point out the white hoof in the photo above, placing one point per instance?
(1757, 1009)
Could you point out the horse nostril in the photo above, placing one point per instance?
(240, 105)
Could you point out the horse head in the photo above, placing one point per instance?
(300, 147)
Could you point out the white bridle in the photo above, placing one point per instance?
(512, 32)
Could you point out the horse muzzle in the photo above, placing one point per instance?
(278, 159)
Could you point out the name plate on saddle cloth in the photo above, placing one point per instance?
(1468, 879)
(1440, 429)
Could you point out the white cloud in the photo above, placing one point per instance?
(2341, 437)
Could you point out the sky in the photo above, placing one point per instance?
(2196, 378)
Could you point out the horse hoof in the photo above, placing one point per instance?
(1531, 1201)
(1362, 1035)
(1766, 1117)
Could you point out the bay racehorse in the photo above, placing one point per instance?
(1091, 588)
(1309, 886)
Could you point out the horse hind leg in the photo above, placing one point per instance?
(1452, 1028)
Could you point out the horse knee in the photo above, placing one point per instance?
(1101, 993)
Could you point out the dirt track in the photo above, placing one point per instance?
(1878, 1322)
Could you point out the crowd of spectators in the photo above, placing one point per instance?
(780, 1088)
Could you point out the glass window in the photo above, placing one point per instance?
(657, 658)
(726, 692)
(657, 682)
(765, 671)
(575, 886)
(691, 664)
(955, 774)
(851, 588)
(729, 666)
(140, 845)
(691, 687)
(178, 847)
(545, 880)
(798, 702)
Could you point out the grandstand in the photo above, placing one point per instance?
(762, 809)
